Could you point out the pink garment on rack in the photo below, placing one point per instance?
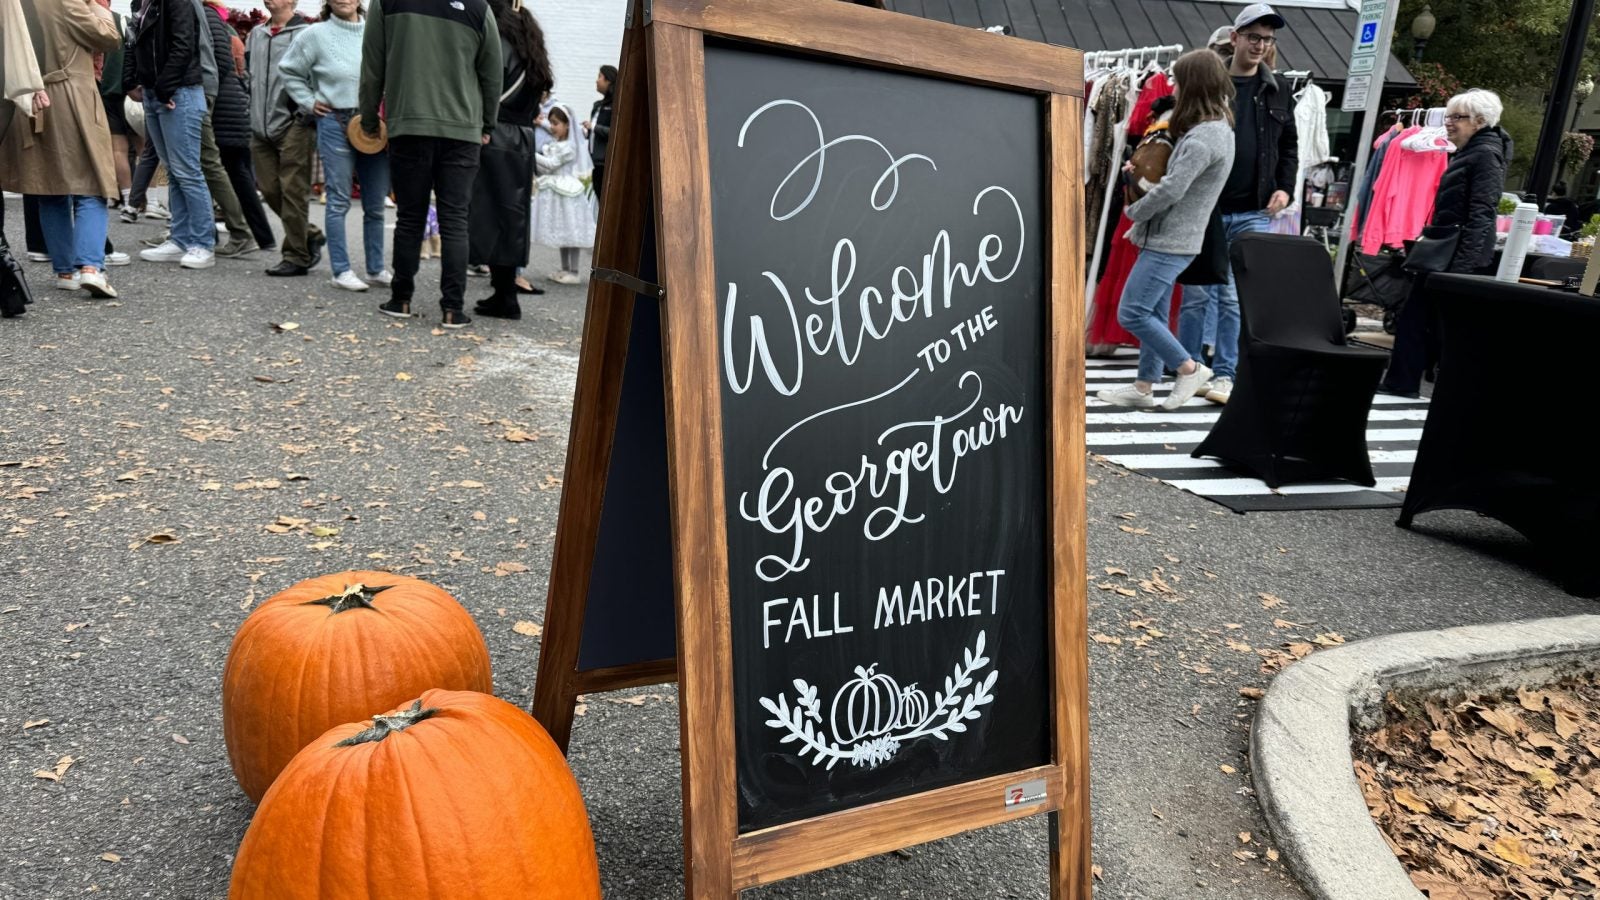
(1402, 199)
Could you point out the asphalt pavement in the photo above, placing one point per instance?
(147, 443)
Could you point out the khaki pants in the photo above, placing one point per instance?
(283, 168)
(217, 181)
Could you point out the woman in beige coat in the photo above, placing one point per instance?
(63, 155)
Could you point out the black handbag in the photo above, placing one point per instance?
(1434, 250)
(1211, 266)
(14, 291)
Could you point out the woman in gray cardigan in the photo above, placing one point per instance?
(1170, 227)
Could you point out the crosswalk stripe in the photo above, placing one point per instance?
(1155, 416)
(1129, 438)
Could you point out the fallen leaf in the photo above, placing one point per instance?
(323, 531)
(1107, 639)
(1132, 530)
(35, 723)
(1268, 601)
(518, 436)
(1227, 770)
(1272, 854)
(1510, 849)
(111, 857)
(281, 327)
(1411, 801)
(469, 484)
(531, 629)
(57, 773)
(402, 376)
(1113, 570)
(1543, 778)
(178, 738)
(162, 537)
(503, 569)
(1504, 721)
(1567, 723)
(1254, 693)
(1330, 639)
(1244, 837)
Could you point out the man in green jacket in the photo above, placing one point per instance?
(434, 65)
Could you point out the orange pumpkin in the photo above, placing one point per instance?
(331, 650)
(458, 796)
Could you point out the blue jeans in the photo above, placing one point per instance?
(1221, 300)
(339, 160)
(74, 231)
(1146, 299)
(176, 134)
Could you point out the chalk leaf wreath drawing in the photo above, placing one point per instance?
(872, 716)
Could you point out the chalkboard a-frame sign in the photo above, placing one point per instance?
(826, 465)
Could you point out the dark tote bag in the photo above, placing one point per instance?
(14, 292)
(1434, 250)
(1211, 266)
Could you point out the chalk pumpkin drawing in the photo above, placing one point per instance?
(872, 717)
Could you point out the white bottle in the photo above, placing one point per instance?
(1517, 243)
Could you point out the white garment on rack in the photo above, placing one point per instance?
(1088, 123)
(1311, 127)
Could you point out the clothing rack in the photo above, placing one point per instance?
(1097, 58)
(1139, 57)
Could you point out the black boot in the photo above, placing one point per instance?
(499, 306)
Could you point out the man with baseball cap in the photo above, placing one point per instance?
(1261, 183)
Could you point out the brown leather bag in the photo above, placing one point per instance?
(1149, 161)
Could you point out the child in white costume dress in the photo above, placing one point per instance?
(563, 214)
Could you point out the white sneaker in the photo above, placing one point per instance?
(118, 258)
(167, 252)
(67, 282)
(156, 211)
(1221, 390)
(38, 257)
(198, 258)
(348, 280)
(1129, 396)
(565, 278)
(381, 279)
(388, 203)
(1184, 386)
(95, 285)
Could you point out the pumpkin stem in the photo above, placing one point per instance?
(352, 597)
(383, 726)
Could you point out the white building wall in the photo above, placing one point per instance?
(582, 35)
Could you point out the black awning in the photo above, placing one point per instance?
(1318, 40)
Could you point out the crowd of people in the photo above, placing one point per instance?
(442, 110)
(1233, 162)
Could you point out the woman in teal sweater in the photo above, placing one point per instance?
(322, 74)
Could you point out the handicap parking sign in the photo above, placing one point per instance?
(1369, 32)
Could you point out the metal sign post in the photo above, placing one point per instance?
(1363, 92)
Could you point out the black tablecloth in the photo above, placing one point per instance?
(1513, 444)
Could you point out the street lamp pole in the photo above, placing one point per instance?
(1422, 30)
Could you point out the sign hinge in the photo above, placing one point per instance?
(637, 285)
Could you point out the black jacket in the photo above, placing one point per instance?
(164, 48)
(1469, 195)
(1277, 141)
(521, 106)
(600, 122)
(230, 114)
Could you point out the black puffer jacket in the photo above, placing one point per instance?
(1469, 194)
(230, 115)
(600, 119)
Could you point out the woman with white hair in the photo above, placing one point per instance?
(1465, 205)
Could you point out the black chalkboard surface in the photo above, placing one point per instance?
(880, 252)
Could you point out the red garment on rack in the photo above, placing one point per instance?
(1103, 326)
(1104, 329)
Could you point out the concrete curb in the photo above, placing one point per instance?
(1300, 743)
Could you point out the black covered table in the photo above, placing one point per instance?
(1515, 446)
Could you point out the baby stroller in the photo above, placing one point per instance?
(1378, 280)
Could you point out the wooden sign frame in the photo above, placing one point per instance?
(669, 187)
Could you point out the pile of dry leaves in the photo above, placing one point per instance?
(1494, 796)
